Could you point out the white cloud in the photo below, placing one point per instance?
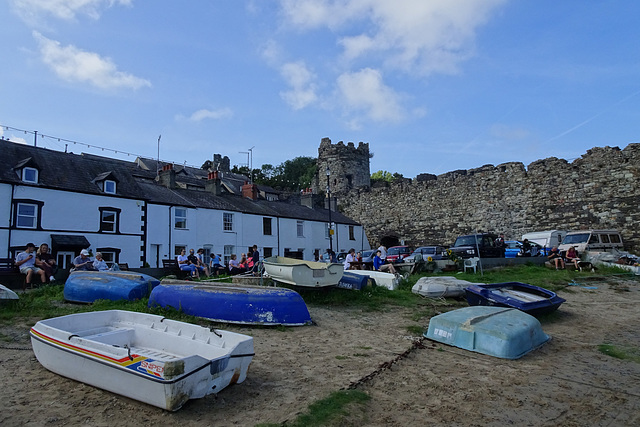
(75, 65)
(365, 91)
(32, 10)
(301, 81)
(221, 113)
(417, 36)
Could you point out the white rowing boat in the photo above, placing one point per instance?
(386, 280)
(303, 273)
(145, 357)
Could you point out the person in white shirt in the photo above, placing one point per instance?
(383, 252)
(99, 263)
(351, 257)
(26, 262)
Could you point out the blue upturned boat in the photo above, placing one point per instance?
(244, 304)
(353, 281)
(531, 299)
(497, 331)
(89, 286)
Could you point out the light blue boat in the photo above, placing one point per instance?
(496, 331)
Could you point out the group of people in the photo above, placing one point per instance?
(195, 263)
(353, 261)
(559, 261)
(41, 263)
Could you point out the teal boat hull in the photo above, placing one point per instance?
(506, 333)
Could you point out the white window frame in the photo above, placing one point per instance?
(26, 171)
(20, 215)
(227, 222)
(109, 258)
(180, 219)
(300, 228)
(109, 186)
(104, 222)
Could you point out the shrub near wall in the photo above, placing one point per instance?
(599, 190)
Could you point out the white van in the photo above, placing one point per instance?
(592, 240)
(547, 239)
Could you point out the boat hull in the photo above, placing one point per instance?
(501, 332)
(386, 280)
(440, 287)
(303, 273)
(531, 299)
(353, 281)
(148, 358)
(89, 286)
(243, 304)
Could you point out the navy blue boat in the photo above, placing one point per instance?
(89, 286)
(244, 304)
(353, 281)
(531, 299)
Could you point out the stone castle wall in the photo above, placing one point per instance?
(600, 190)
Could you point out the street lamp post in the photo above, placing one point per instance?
(329, 197)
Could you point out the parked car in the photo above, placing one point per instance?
(514, 247)
(435, 252)
(398, 253)
(467, 246)
(367, 258)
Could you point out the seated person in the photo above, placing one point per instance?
(255, 259)
(234, 266)
(572, 256)
(201, 263)
(185, 264)
(526, 248)
(351, 257)
(379, 264)
(46, 262)
(26, 262)
(82, 262)
(555, 258)
(99, 263)
(193, 259)
(216, 265)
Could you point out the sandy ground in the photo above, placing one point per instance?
(566, 382)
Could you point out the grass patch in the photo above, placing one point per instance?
(328, 411)
(623, 353)
(342, 357)
(360, 355)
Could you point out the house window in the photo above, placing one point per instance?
(109, 219)
(228, 251)
(351, 234)
(26, 215)
(109, 186)
(300, 228)
(180, 220)
(30, 175)
(108, 222)
(177, 249)
(267, 252)
(227, 221)
(266, 226)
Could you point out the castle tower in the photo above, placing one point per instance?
(349, 166)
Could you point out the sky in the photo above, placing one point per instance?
(431, 85)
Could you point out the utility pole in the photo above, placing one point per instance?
(329, 197)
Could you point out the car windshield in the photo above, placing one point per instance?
(465, 241)
(426, 250)
(571, 239)
(393, 251)
(367, 254)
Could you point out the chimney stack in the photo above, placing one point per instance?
(167, 176)
(250, 191)
(213, 184)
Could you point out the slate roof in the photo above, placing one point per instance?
(80, 173)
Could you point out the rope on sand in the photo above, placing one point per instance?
(4, 347)
(387, 365)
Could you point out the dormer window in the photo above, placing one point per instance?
(109, 186)
(30, 175)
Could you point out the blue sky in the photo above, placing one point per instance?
(431, 85)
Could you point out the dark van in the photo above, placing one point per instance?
(469, 245)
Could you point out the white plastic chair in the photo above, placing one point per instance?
(471, 263)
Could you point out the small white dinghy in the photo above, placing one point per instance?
(145, 357)
(7, 294)
(440, 287)
(303, 273)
